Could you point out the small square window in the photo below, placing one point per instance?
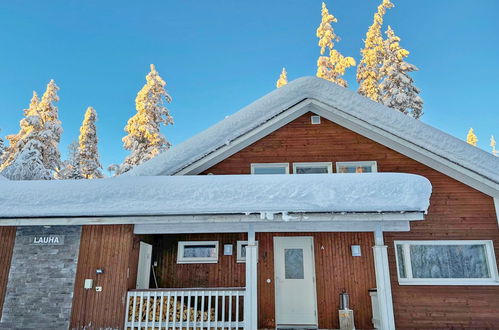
(241, 250)
(270, 168)
(357, 167)
(311, 168)
(316, 120)
(197, 252)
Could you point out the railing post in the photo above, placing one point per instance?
(251, 298)
(383, 284)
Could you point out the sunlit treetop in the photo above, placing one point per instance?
(283, 78)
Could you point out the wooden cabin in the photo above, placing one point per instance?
(264, 221)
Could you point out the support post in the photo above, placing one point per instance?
(383, 284)
(251, 295)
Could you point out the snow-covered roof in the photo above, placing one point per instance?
(339, 98)
(215, 194)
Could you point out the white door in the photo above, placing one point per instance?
(144, 266)
(295, 295)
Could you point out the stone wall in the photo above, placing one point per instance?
(41, 280)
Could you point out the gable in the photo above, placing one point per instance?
(406, 135)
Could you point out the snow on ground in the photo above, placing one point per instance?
(221, 194)
(342, 99)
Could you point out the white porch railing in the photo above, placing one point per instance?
(214, 308)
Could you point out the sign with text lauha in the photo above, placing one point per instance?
(46, 240)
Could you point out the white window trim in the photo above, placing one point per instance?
(259, 165)
(491, 261)
(329, 166)
(372, 163)
(196, 260)
(240, 258)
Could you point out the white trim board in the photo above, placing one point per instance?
(208, 219)
(354, 124)
(272, 227)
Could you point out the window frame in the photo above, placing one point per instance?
(260, 165)
(409, 280)
(196, 260)
(372, 163)
(329, 166)
(239, 244)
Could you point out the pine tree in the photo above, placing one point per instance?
(33, 153)
(471, 137)
(27, 125)
(397, 89)
(70, 169)
(493, 145)
(283, 78)
(144, 138)
(368, 70)
(2, 150)
(88, 152)
(52, 128)
(331, 68)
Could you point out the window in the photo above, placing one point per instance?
(446, 263)
(308, 168)
(270, 168)
(241, 250)
(356, 167)
(200, 252)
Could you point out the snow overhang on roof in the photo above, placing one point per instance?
(215, 194)
(440, 146)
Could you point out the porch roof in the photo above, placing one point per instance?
(215, 194)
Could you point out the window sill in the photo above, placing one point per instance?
(445, 283)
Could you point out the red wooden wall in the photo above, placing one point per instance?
(456, 212)
(110, 248)
(7, 239)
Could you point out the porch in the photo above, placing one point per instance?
(215, 295)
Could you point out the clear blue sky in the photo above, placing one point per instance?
(218, 56)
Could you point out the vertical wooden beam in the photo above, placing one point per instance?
(496, 204)
(251, 295)
(383, 284)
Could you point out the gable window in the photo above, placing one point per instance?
(270, 168)
(356, 167)
(197, 252)
(446, 263)
(241, 250)
(309, 168)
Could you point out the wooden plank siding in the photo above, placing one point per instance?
(7, 239)
(112, 248)
(336, 270)
(457, 211)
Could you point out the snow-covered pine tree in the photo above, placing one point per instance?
(2, 150)
(397, 89)
(27, 125)
(493, 145)
(144, 139)
(88, 152)
(52, 128)
(331, 67)
(283, 78)
(25, 153)
(471, 137)
(368, 75)
(35, 153)
(70, 169)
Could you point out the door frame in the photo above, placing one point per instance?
(314, 278)
(143, 246)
